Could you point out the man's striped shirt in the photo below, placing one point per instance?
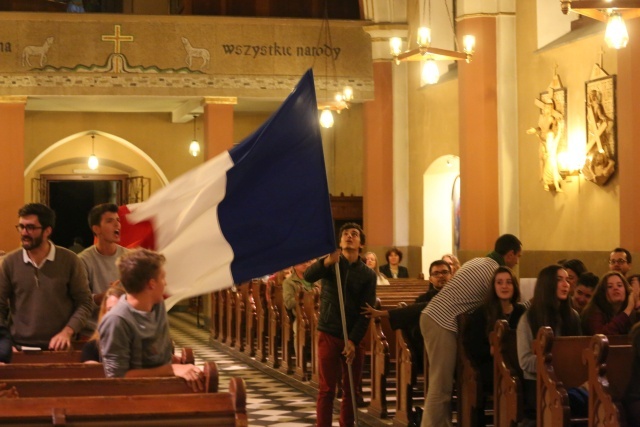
(465, 292)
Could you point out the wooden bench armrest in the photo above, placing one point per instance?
(507, 379)
(605, 395)
(552, 398)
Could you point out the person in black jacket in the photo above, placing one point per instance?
(408, 318)
(358, 288)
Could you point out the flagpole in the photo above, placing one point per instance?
(346, 339)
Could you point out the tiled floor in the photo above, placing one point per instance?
(270, 402)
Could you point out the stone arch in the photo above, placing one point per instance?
(117, 156)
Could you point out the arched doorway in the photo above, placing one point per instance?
(441, 199)
(60, 177)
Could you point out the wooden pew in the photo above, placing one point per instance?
(74, 356)
(307, 303)
(288, 362)
(408, 381)
(383, 342)
(262, 325)
(222, 315)
(51, 371)
(217, 408)
(240, 322)
(559, 367)
(381, 335)
(608, 368)
(507, 376)
(469, 382)
(251, 318)
(274, 310)
(215, 321)
(230, 310)
(42, 356)
(41, 387)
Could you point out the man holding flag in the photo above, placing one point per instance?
(359, 288)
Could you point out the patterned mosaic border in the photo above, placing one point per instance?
(171, 81)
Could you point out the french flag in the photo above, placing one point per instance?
(251, 211)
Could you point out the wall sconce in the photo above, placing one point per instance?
(93, 162)
(429, 54)
(194, 147)
(613, 12)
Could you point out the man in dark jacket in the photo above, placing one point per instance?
(358, 288)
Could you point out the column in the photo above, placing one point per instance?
(385, 151)
(218, 125)
(12, 110)
(377, 186)
(479, 154)
(628, 121)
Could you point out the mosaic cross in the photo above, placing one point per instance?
(116, 38)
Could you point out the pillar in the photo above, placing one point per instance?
(478, 106)
(218, 125)
(377, 188)
(12, 110)
(628, 121)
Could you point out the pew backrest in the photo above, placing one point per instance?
(52, 387)
(220, 409)
(75, 356)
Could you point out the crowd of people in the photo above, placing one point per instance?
(113, 298)
(51, 297)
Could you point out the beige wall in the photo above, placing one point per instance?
(583, 221)
(166, 143)
(585, 217)
(433, 132)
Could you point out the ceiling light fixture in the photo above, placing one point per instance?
(194, 147)
(613, 12)
(93, 162)
(341, 100)
(429, 54)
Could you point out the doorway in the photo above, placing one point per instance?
(72, 197)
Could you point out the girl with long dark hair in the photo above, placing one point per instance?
(502, 302)
(612, 309)
(550, 307)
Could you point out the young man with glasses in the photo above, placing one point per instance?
(44, 286)
(408, 318)
(405, 317)
(620, 260)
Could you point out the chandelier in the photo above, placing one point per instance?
(341, 100)
(428, 54)
(613, 12)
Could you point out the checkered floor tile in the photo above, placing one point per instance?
(270, 402)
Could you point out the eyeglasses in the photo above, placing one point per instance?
(619, 261)
(440, 273)
(29, 227)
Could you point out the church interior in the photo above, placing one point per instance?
(442, 143)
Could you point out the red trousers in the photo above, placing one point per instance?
(330, 358)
